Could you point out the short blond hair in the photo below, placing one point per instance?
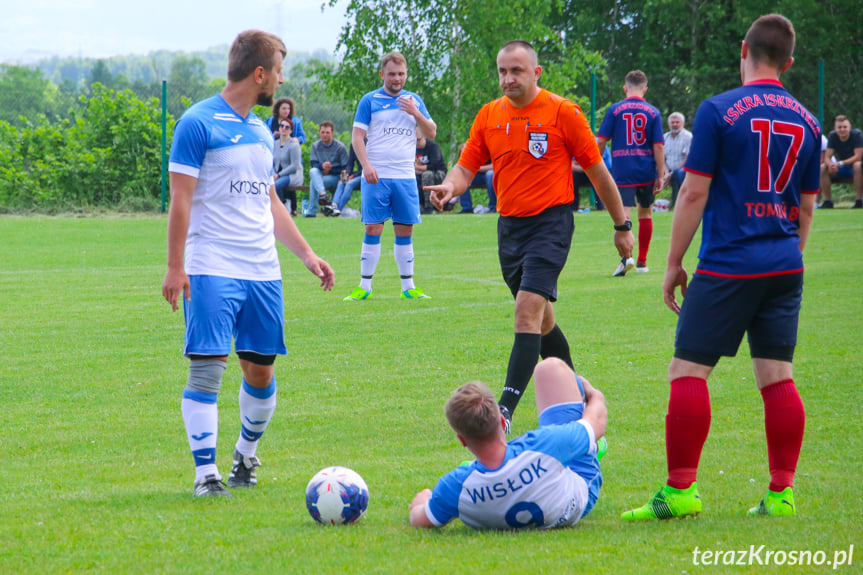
(473, 412)
(394, 57)
(253, 48)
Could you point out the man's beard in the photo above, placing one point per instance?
(265, 99)
(675, 132)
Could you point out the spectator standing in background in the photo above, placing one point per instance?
(677, 140)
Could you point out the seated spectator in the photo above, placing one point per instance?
(430, 168)
(329, 157)
(580, 180)
(677, 141)
(842, 161)
(483, 179)
(287, 166)
(350, 181)
(283, 109)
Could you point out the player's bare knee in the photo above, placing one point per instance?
(205, 376)
(552, 370)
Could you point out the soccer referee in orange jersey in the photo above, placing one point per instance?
(531, 136)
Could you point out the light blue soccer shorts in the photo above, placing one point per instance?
(586, 465)
(390, 198)
(250, 312)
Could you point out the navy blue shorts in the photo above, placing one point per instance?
(717, 311)
(644, 194)
(846, 172)
(533, 250)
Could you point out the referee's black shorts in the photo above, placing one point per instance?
(533, 250)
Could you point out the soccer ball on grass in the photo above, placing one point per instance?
(337, 496)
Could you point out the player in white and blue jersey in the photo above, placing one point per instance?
(637, 160)
(753, 171)
(549, 477)
(384, 140)
(222, 226)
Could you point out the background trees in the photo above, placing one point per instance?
(83, 132)
(450, 46)
(689, 50)
(107, 154)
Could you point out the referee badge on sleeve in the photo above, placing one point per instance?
(537, 144)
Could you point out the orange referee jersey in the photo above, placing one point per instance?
(531, 150)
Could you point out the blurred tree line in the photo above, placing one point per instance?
(96, 142)
(53, 86)
(689, 49)
(87, 132)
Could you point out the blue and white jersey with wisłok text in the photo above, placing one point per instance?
(543, 483)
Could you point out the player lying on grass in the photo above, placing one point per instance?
(546, 478)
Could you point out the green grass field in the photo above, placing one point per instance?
(97, 475)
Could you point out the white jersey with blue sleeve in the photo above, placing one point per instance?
(543, 483)
(231, 225)
(392, 140)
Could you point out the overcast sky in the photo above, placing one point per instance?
(33, 29)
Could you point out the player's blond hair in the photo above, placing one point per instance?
(472, 411)
(394, 57)
(253, 48)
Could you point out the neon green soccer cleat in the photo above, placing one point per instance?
(414, 293)
(779, 504)
(359, 294)
(666, 504)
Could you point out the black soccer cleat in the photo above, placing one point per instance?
(243, 472)
(211, 486)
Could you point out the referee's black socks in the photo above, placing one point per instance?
(554, 344)
(522, 361)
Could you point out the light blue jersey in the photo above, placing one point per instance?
(550, 478)
(392, 140)
(231, 225)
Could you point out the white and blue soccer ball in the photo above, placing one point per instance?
(337, 496)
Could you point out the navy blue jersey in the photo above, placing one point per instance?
(762, 148)
(633, 126)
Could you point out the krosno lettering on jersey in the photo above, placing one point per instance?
(398, 131)
(248, 187)
(515, 482)
(762, 210)
(747, 103)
